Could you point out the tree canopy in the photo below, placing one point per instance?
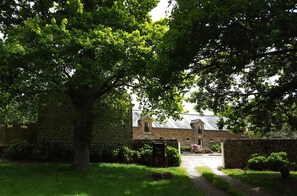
(86, 49)
(243, 56)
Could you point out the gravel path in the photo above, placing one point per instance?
(200, 183)
(213, 162)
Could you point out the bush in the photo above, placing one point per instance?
(174, 159)
(96, 154)
(185, 149)
(277, 161)
(39, 154)
(146, 154)
(293, 166)
(50, 151)
(257, 162)
(142, 157)
(17, 150)
(126, 155)
(215, 147)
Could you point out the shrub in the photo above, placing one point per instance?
(185, 149)
(257, 162)
(293, 166)
(96, 154)
(277, 161)
(126, 155)
(51, 151)
(107, 155)
(40, 154)
(215, 147)
(123, 155)
(17, 150)
(145, 154)
(174, 159)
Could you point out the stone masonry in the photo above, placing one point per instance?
(237, 152)
(187, 131)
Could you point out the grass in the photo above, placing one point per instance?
(269, 180)
(217, 181)
(101, 179)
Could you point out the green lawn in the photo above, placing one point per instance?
(101, 179)
(217, 181)
(269, 180)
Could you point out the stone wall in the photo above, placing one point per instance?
(237, 152)
(216, 137)
(138, 144)
(184, 136)
(112, 128)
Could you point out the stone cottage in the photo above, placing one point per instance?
(192, 128)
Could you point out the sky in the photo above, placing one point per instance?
(160, 11)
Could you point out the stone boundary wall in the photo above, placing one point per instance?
(184, 136)
(236, 152)
(137, 144)
(112, 127)
(211, 137)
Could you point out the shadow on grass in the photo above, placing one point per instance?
(217, 181)
(269, 180)
(101, 179)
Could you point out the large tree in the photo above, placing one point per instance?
(243, 55)
(85, 49)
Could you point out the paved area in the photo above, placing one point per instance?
(213, 161)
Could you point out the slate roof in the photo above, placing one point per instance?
(210, 122)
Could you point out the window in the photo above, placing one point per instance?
(199, 129)
(211, 140)
(146, 127)
(199, 142)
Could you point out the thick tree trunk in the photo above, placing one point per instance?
(83, 133)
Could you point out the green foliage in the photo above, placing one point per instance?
(257, 162)
(185, 149)
(293, 166)
(50, 151)
(269, 180)
(125, 155)
(276, 161)
(17, 150)
(221, 123)
(87, 50)
(217, 181)
(146, 154)
(174, 159)
(100, 179)
(215, 147)
(242, 56)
